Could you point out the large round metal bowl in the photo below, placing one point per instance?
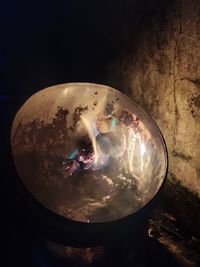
(91, 158)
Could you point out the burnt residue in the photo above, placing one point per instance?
(37, 131)
(128, 119)
(41, 144)
(76, 115)
(109, 109)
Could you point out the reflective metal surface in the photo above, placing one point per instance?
(88, 152)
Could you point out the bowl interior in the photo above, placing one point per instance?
(88, 152)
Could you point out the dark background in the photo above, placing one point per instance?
(43, 43)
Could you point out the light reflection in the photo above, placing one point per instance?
(73, 154)
(113, 123)
(142, 150)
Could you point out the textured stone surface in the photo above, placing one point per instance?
(161, 71)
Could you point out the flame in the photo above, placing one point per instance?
(133, 150)
(89, 120)
(91, 128)
(132, 142)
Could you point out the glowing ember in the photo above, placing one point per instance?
(88, 152)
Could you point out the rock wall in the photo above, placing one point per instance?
(160, 68)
